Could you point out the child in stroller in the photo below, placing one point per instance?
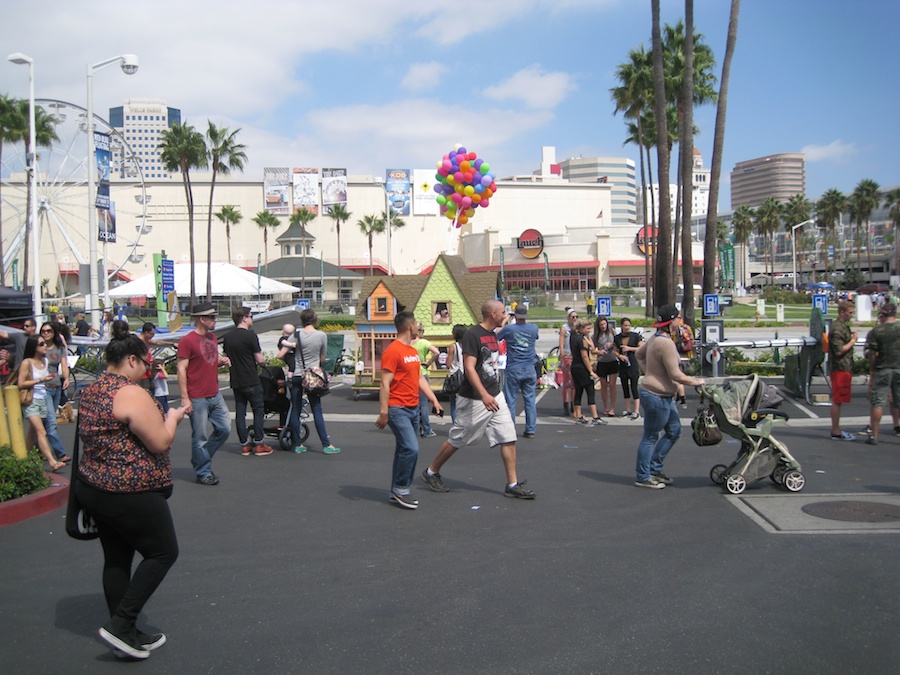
(745, 410)
(277, 400)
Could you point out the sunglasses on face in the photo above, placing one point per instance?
(41, 344)
(46, 330)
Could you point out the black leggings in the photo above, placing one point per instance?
(129, 522)
(630, 383)
(579, 375)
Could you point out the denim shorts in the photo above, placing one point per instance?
(37, 408)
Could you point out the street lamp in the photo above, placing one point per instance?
(129, 64)
(20, 59)
(387, 220)
(794, 247)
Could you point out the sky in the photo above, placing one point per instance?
(369, 85)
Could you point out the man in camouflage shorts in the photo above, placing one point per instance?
(883, 350)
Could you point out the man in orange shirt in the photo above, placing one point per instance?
(401, 382)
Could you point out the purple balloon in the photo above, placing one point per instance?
(486, 181)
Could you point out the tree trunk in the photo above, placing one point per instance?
(338, 228)
(651, 296)
(712, 212)
(644, 217)
(687, 167)
(190, 204)
(662, 274)
(212, 188)
(869, 247)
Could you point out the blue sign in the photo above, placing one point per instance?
(711, 304)
(820, 301)
(604, 306)
(303, 303)
(168, 276)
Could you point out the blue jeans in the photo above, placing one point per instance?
(315, 406)
(254, 396)
(404, 422)
(424, 422)
(53, 397)
(203, 444)
(522, 378)
(660, 414)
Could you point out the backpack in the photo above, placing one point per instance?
(453, 382)
(705, 428)
(684, 341)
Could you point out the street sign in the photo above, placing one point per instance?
(711, 304)
(303, 303)
(726, 300)
(604, 306)
(820, 301)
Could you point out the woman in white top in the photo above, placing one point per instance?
(34, 373)
(565, 362)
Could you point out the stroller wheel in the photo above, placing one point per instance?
(794, 481)
(778, 474)
(286, 437)
(717, 474)
(735, 484)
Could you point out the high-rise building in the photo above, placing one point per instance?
(780, 176)
(141, 121)
(617, 171)
(699, 191)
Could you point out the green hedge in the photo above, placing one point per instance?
(20, 477)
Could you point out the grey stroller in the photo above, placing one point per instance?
(745, 410)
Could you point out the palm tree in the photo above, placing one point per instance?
(892, 203)
(370, 226)
(712, 213)
(266, 219)
(768, 221)
(863, 201)
(829, 209)
(229, 215)
(303, 217)
(224, 154)
(743, 223)
(339, 214)
(795, 211)
(662, 282)
(392, 222)
(183, 148)
(9, 129)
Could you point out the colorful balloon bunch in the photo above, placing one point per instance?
(465, 182)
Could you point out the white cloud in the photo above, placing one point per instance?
(836, 151)
(534, 87)
(423, 76)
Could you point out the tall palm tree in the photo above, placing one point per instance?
(392, 222)
(743, 223)
(224, 154)
(339, 214)
(229, 215)
(266, 219)
(892, 204)
(795, 211)
(712, 212)
(662, 273)
(370, 226)
(9, 130)
(303, 217)
(864, 200)
(829, 209)
(183, 148)
(768, 221)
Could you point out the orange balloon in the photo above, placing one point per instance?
(463, 219)
(476, 199)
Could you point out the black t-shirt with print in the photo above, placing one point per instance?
(483, 345)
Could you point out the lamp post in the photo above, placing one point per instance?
(129, 64)
(794, 229)
(21, 59)
(387, 221)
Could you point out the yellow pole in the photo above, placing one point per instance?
(4, 424)
(16, 426)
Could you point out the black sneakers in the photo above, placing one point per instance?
(434, 482)
(126, 643)
(662, 478)
(209, 479)
(519, 491)
(405, 501)
(147, 641)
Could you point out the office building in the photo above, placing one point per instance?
(141, 121)
(699, 192)
(780, 176)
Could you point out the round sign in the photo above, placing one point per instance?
(645, 234)
(531, 244)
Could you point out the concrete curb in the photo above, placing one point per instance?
(38, 504)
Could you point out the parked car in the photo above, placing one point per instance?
(873, 287)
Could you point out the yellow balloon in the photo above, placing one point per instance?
(468, 191)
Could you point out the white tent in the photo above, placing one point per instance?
(227, 280)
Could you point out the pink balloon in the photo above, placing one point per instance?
(465, 202)
(458, 177)
(484, 203)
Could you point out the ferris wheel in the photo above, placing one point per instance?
(62, 200)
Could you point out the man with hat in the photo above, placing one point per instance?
(883, 351)
(198, 380)
(658, 358)
(521, 375)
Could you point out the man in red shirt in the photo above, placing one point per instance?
(198, 380)
(401, 382)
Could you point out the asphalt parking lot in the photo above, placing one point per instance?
(298, 563)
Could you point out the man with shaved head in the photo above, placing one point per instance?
(480, 406)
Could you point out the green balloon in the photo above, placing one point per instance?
(485, 167)
(441, 199)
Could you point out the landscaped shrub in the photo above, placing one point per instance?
(20, 477)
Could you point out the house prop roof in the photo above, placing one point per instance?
(476, 288)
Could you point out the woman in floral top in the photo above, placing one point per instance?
(123, 482)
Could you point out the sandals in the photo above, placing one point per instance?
(57, 466)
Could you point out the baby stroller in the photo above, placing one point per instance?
(745, 409)
(277, 401)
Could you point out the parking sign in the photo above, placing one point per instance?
(604, 306)
(711, 304)
(303, 303)
(820, 301)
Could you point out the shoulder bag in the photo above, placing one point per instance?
(705, 429)
(314, 380)
(79, 524)
(26, 395)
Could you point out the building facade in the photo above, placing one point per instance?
(780, 176)
(141, 121)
